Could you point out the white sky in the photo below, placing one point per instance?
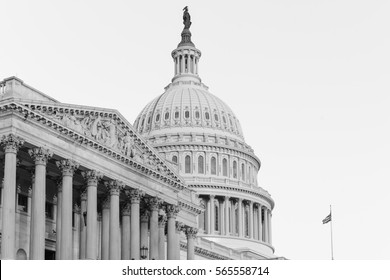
(309, 81)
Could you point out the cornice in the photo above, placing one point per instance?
(236, 189)
(33, 112)
(205, 253)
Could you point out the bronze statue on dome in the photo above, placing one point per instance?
(186, 18)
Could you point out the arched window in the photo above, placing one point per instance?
(143, 121)
(235, 169)
(166, 116)
(224, 119)
(213, 166)
(176, 114)
(187, 114)
(207, 115)
(187, 163)
(224, 167)
(149, 119)
(157, 117)
(249, 174)
(216, 117)
(200, 165)
(242, 172)
(174, 159)
(197, 115)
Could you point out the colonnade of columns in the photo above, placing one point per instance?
(186, 63)
(237, 217)
(146, 231)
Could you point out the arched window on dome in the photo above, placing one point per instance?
(143, 122)
(213, 165)
(207, 115)
(249, 174)
(187, 114)
(200, 165)
(235, 169)
(224, 167)
(197, 115)
(174, 159)
(157, 117)
(224, 119)
(216, 117)
(187, 163)
(149, 119)
(177, 115)
(243, 172)
(166, 116)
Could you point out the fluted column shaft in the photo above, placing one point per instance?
(250, 219)
(154, 206)
(67, 168)
(191, 236)
(37, 239)
(76, 233)
(266, 226)
(125, 252)
(172, 211)
(58, 220)
(240, 218)
(161, 237)
(83, 227)
(144, 230)
(135, 198)
(92, 178)
(105, 229)
(269, 227)
(212, 215)
(179, 228)
(227, 218)
(114, 250)
(11, 144)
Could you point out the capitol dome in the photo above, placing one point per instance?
(200, 136)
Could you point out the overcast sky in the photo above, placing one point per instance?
(308, 80)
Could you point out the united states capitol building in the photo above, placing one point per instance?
(82, 182)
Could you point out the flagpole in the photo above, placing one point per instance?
(331, 231)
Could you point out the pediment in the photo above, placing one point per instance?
(105, 127)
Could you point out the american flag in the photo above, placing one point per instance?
(327, 219)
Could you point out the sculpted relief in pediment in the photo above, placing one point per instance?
(106, 131)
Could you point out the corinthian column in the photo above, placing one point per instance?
(172, 211)
(154, 204)
(67, 167)
(135, 198)
(83, 237)
(179, 228)
(191, 235)
(106, 229)
(114, 186)
(162, 220)
(58, 220)
(125, 252)
(11, 145)
(92, 177)
(40, 157)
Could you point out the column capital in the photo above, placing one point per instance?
(114, 186)
(83, 196)
(144, 216)
(135, 196)
(40, 155)
(106, 203)
(126, 210)
(92, 176)
(55, 199)
(179, 226)
(77, 209)
(162, 220)
(172, 210)
(153, 203)
(11, 143)
(191, 232)
(67, 166)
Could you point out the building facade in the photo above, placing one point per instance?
(81, 182)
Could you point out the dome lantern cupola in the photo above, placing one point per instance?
(186, 56)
